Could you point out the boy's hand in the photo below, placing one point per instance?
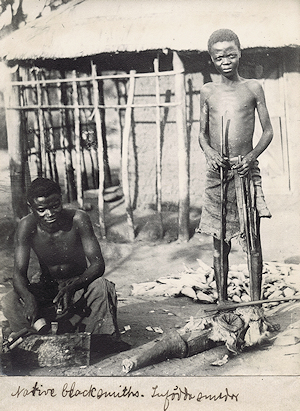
(215, 160)
(245, 165)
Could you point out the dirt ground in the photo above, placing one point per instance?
(141, 261)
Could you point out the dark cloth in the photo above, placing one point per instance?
(210, 222)
(94, 308)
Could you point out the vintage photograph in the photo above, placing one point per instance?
(149, 204)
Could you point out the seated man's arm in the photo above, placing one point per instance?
(93, 254)
(20, 279)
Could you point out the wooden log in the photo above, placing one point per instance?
(125, 147)
(183, 150)
(174, 344)
(77, 142)
(170, 346)
(101, 203)
(15, 150)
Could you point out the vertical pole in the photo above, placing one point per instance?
(15, 150)
(100, 152)
(62, 141)
(125, 146)
(41, 127)
(183, 150)
(158, 139)
(77, 141)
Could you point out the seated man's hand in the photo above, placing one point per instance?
(65, 295)
(30, 308)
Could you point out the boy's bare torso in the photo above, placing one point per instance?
(237, 102)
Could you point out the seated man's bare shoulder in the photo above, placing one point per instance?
(26, 228)
(81, 218)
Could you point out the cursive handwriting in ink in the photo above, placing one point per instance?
(220, 396)
(183, 394)
(36, 390)
(71, 392)
(177, 394)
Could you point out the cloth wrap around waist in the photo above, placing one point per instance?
(210, 222)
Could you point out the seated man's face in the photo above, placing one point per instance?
(47, 209)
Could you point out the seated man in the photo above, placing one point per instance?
(69, 288)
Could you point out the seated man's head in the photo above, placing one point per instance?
(44, 199)
(225, 51)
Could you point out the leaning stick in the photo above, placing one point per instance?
(125, 154)
(225, 307)
(222, 203)
(224, 138)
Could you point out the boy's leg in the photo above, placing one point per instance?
(221, 278)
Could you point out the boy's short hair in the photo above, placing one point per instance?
(42, 187)
(222, 35)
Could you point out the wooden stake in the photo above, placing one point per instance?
(125, 146)
(41, 127)
(183, 151)
(100, 153)
(158, 139)
(15, 150)
(77, 142)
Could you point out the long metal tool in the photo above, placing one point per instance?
(251, 237)
(223, 149)
(233, 306)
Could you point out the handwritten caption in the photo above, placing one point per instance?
(165, 396)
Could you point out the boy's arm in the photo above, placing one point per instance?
(213, 158)
(92, 252)
(267, 130)
(20, 279)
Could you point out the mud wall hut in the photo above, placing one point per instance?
(107, 93)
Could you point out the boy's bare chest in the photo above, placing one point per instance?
(231, 100)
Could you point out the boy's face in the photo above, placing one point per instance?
(47, 210)
(225, 56)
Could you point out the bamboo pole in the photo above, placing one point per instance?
(77, 142)
(100, 153)
(62, 143)
(183, 151)
(41, 128)
(102, 77)
(72, 195)
(15, 150)
(52, 152)
(158, 140)
(125, 147)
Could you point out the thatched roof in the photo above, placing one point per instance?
(90, 27)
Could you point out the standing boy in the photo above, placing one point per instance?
(69, 288)
(227, 117)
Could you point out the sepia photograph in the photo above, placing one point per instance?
(149, 204)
